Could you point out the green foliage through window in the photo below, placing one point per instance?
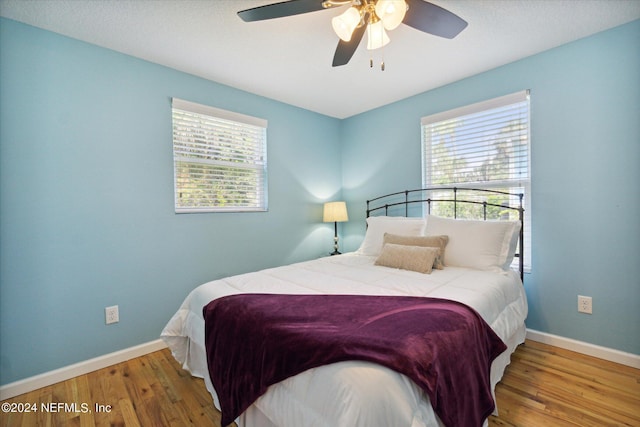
(220, 160)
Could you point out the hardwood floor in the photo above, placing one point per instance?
(151, 390)
(546, 385)
(543, 386)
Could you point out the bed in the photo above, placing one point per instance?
(473, 268)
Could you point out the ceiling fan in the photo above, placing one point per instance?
(371, 16)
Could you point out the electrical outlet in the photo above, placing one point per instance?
(585, 304)
(111, 314)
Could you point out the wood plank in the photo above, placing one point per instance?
(197, 402)
(128, 413)
(96, 387)
(140, 393)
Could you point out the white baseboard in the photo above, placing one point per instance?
(47, 378)
(600, 352)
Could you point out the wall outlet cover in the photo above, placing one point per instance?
(111, 315)
(585, 304)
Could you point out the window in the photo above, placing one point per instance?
(220, 159)
(484, 145)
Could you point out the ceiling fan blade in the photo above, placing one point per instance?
(281, 9)
(345, 50)
(433, 19)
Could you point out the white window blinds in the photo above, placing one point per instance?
(220, 159)
(484, 145)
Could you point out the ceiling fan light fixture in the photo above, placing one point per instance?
(344, 24)
(371, 16)
(376, 36)
(391, 12)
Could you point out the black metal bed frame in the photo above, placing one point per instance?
(378, 205)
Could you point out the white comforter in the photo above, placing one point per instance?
(350, 393)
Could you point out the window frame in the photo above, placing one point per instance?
(216, 141)
(510, 184)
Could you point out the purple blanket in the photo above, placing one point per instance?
(445, 347)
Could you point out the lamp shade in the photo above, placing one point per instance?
(344, 24)
(391, 12)
(335, 212)
(376, 36)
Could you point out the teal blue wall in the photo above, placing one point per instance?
(585, 115)
(86, 190)
(86, 199)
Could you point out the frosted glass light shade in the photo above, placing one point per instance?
(391, 12)
(376, 36)
(344, 24)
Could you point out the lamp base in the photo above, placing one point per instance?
(335, 240)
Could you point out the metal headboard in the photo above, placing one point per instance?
(423, 196)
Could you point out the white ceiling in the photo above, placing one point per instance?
(289, 59)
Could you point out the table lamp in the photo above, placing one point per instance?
(335, 212)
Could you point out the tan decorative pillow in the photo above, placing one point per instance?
(414, 258)
(439, 242)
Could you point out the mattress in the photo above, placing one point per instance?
(352, 393)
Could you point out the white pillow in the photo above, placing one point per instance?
(483, 245)
(378, 225)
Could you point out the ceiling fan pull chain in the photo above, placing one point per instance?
(382, 66)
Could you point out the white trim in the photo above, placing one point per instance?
(501, 101)
(193, 107)
(81, 368)
(610, 354)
